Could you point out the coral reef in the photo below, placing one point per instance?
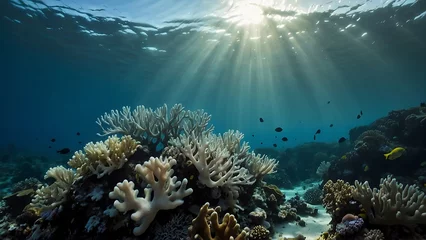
(393, 203)
(158, 147)
(207, 222)
(403, 128)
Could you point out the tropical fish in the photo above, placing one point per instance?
(261, 119)
(318, 131)
(64, 151)
(284, 139)
(342, 139)
(78, 133)
(358, 117)
(331, 125)
(423, 164)
(275, 145)
(344, 157)
(278, 129)
(328, 102)
(395, 153)
(53, 140)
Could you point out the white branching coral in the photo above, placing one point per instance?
(393, 203)
(55, 194)
(323, 168)
(154, 127)
(211, 155)
(168, 192)
(102, 158)
(261, 165)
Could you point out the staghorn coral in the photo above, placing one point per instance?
(213, 160)
(102, 158)
(154, 127)
(393, 203)
(48, 197)
(219, 160)
(259, 233)
(207, 222)
(336, 195)
(261, 165)
(168, 192)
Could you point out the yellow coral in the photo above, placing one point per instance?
(336, 195)
(208, 220)
(102, 158)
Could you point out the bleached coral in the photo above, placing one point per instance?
(323, 168)
(102, 158)
(211, 155)
(261, 165)
(55, 194)
(168, 192)
(393, 203)
(154, 127)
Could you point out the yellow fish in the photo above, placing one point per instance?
(395, 153)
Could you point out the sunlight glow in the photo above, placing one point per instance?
(246, 13)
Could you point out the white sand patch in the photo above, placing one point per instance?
(314, 225)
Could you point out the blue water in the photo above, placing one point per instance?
(65, 63)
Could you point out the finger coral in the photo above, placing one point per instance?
(102, 158)
(393, 203)
(207, 223)
(168, 192)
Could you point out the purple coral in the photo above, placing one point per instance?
(351, 227)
